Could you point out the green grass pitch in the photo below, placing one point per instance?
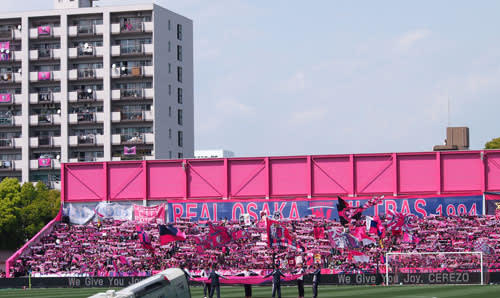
(447, 291)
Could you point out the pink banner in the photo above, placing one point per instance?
(5, 97)
(44, 162)
(44, 30)
(250, 280)
(147, 214)
(43, 75)
(129, 150)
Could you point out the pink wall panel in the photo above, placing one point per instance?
(461, 172)
(248, 178)
(166, 180)
(418, 174)
(87, 182)
(206, 178)
(373, 174)
(289, 176)
(403, 173)
(331, 175)
(126, 181)
(493, 171)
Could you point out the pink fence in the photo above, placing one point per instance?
(294, 176)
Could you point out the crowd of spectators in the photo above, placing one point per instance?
(112, 248)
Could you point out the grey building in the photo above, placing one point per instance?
(80, 83)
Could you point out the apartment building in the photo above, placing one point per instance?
(80, 83)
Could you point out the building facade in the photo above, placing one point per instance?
(80, 84)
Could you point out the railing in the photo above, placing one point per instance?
(6, 77)
(86, 73)
(44, 53)
(85, 117)
(86, 51)
(6, 143)
(131, 49)
(133, 139)
(44, 141)
(86, 29)
(132, 25)
(5, 33)
(45, 96)
(86, 139)
(85, 95)
(131, 71)
(132, 115)
(6, 164)
(131, 93)
(45, 118)
(6, 120)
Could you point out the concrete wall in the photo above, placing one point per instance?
(163, 80)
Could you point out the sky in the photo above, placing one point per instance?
(290, 77)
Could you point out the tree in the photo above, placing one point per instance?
(24, 210)
(493, 144)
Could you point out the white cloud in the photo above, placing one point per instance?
(410, 39)
(231, 106)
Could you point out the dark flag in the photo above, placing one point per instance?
(170, 234)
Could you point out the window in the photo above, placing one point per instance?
(170, 133)
(169, 27)
(179, 31)
(169, 89)
(179, 138)
(169, 111)
(179, 155)
(169, 46)
(179, 95)
(170, 154)
(179, 116)
(179, 53)
(179, 74)
(169, 68)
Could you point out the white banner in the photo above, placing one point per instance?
(82, 213)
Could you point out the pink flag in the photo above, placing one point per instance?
(44, 30)
(129, 150)
(358, 257)
(5, 97)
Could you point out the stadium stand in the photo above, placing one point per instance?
(111, 248)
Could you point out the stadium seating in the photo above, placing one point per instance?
(111, 248)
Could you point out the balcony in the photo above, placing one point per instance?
(131, 27)
(11, 98)
(11, 143)
(86, 74)
(82, 96)
(9, 55)
(45, 97)
(10, 34)
(132, 157)
(45, 31)
(86, 117)
(86, 140)
(45, 163)
(10, 165)
(45, 54)
(6, 120)
(131, 72)
(138, 138)
(89, 51)
(135, 93)
(85, 30)
(41, 76)
(10, 77)
(45, 119)
(45, 141)
(139, 49)
(133, 116)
